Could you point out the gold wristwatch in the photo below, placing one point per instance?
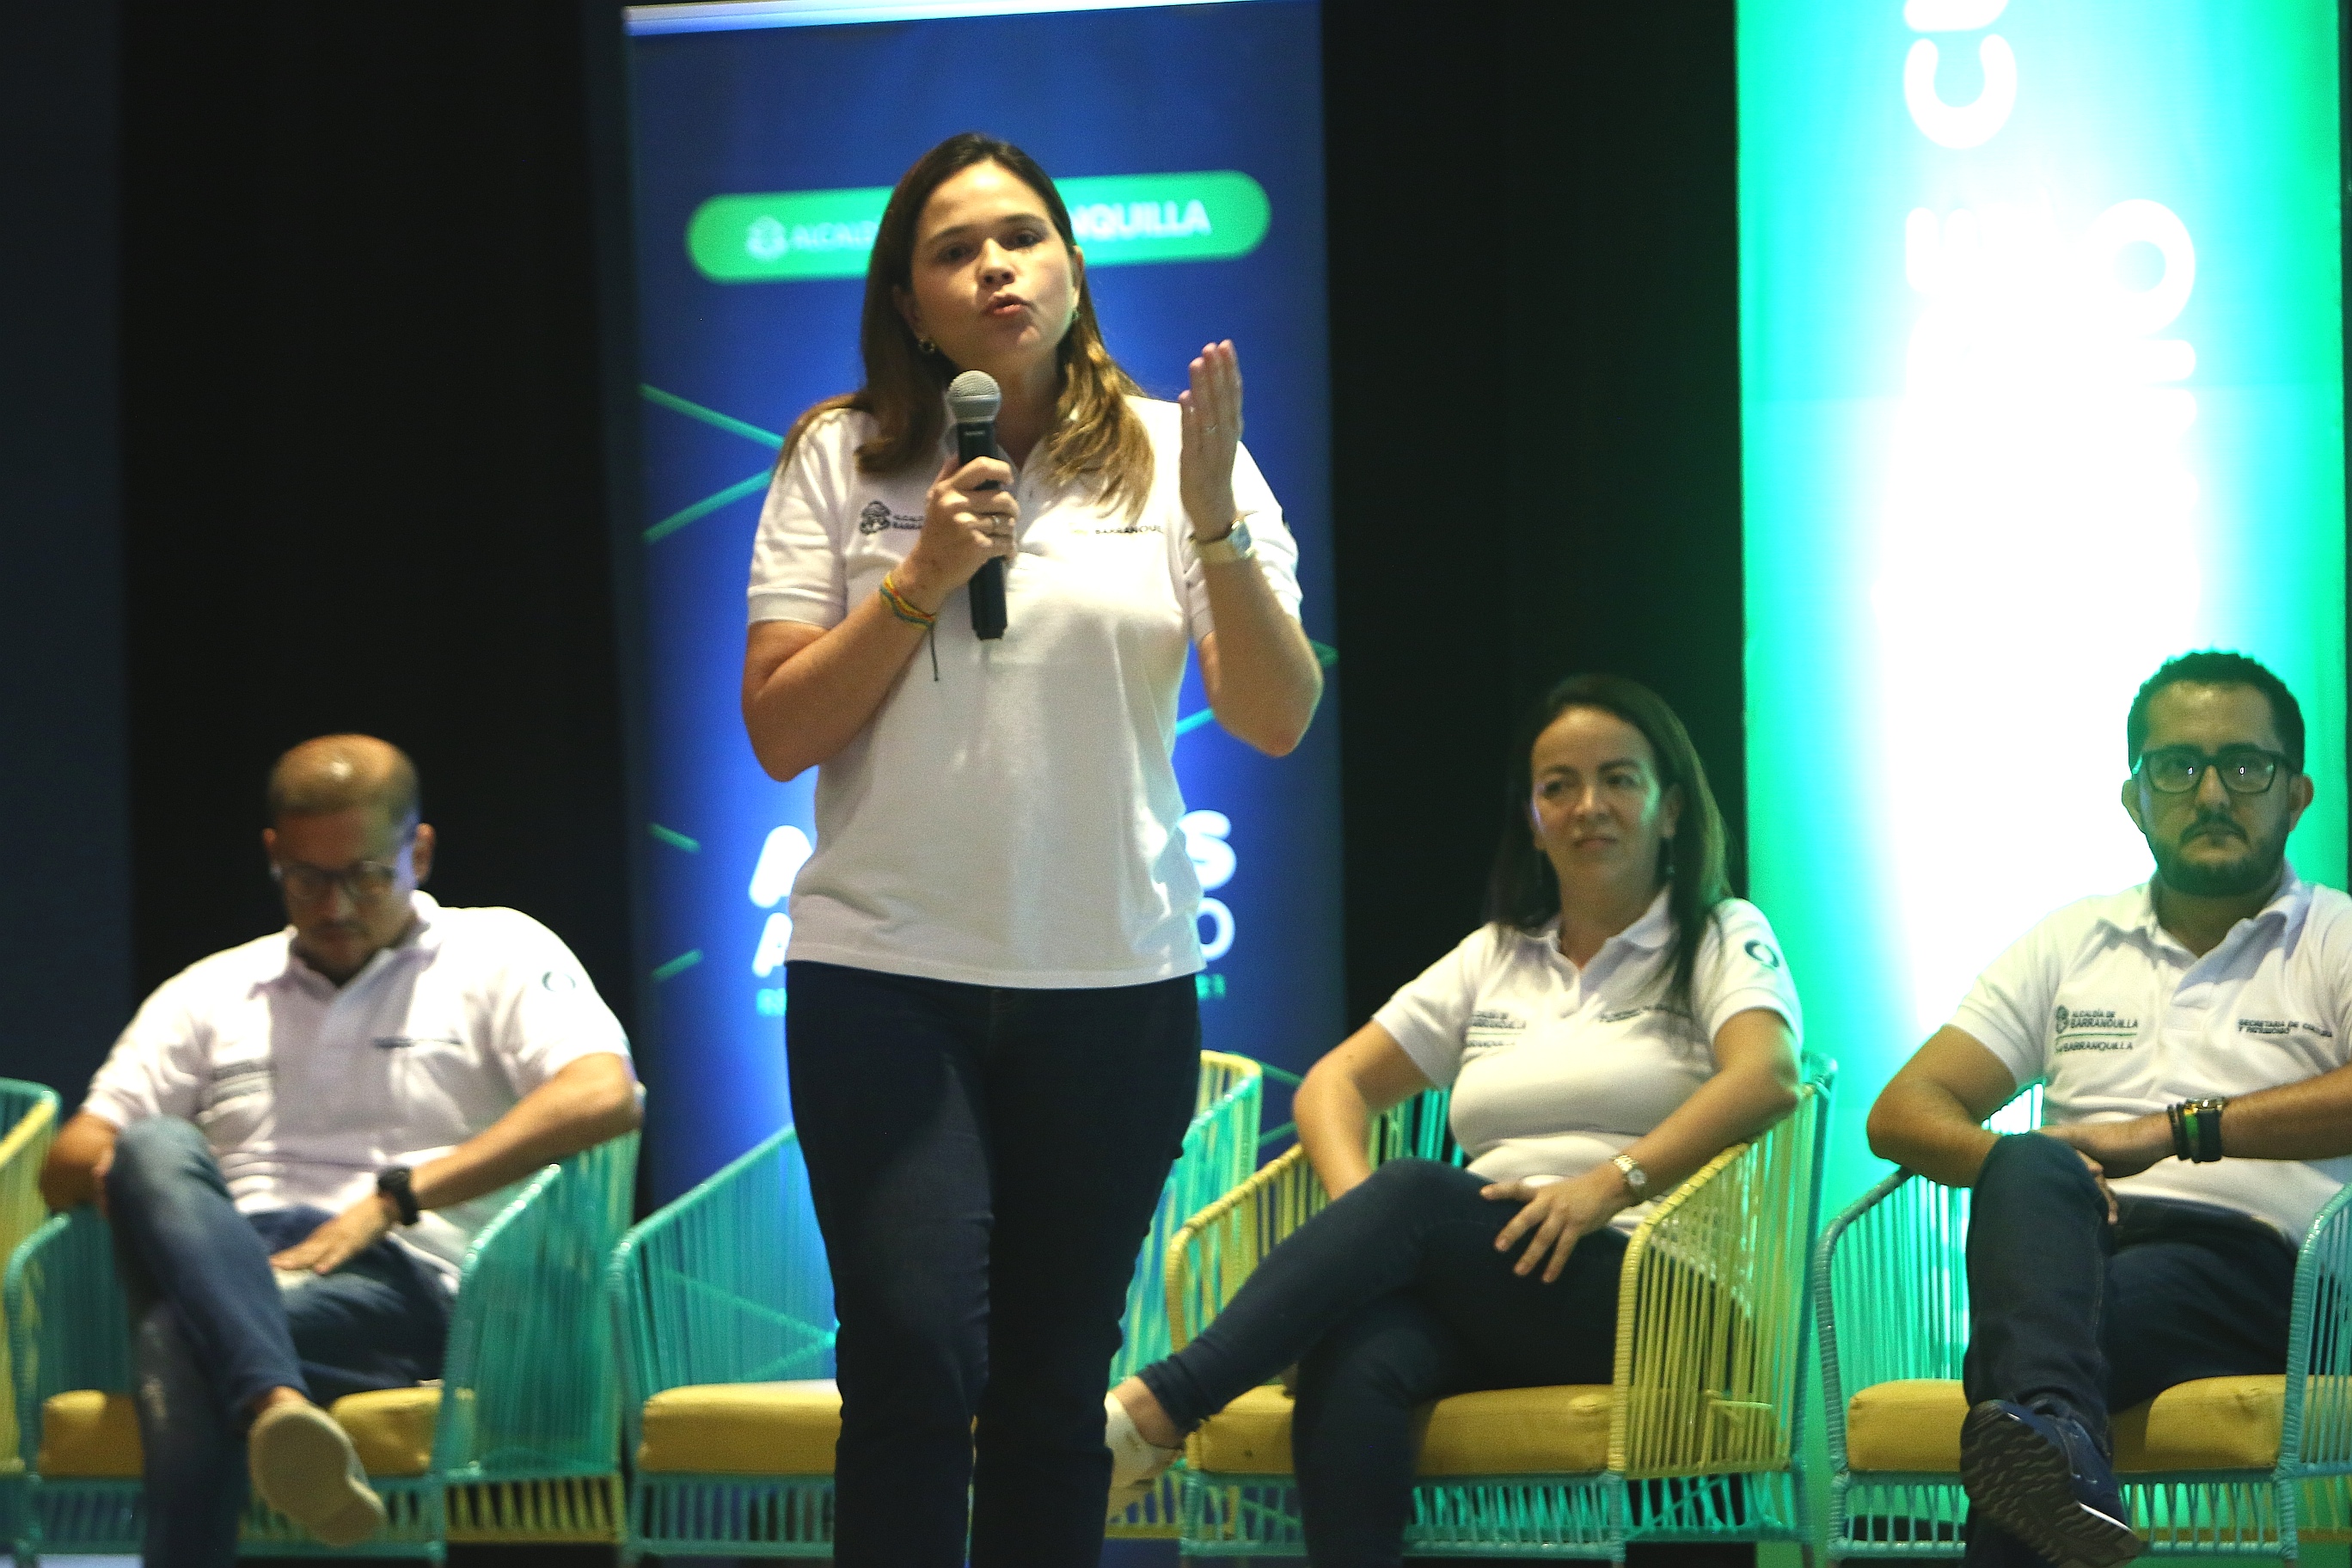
(1234, 545)
(1637, 1180)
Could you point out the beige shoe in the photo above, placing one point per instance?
(304, 1466)
(1136, 1462)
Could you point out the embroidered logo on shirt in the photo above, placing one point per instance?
(2282, 1027)
(2093, 1029)
(1619, 1017)
(1763, 955)
(401, 1042)
(1491, 1031)
(877, 518)
(235, 1080)
(1124, 528)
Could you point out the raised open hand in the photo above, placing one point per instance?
(1213, 435)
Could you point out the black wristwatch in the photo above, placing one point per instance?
(392, 1182)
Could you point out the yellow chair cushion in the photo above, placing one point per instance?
(1498, 1432)
(87, 1432)
(2212, 1423)
(391, 1427)
(742, 1429)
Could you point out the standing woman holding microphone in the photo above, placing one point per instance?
(994, 1033)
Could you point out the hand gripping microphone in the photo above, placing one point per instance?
(973, 399)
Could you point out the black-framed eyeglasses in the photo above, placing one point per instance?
(365, 880)
(2177, 770)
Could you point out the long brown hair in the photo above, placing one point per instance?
(1095, 438)
(1523, 891)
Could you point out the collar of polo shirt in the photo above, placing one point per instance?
(421, 934)
(2133, 913)
(1652, 931)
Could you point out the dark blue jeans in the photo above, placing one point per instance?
(984, 1163)
(2064, 1307)
(213, 1329)
(1391, 1298)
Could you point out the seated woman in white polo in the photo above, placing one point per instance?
(1619, 1021)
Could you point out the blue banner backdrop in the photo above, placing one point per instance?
(812, 118)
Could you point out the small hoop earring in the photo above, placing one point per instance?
(925, 344)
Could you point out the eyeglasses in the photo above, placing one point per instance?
(2177, 770)
(365, 880)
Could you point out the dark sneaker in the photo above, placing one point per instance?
(2041, 1478)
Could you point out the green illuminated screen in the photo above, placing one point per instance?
(2043, 384)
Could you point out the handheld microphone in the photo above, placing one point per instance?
(973, 399)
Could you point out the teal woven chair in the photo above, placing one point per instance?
(1699, 1437)
(724, 1313)
(28, 1125)
(2235, 1467)
(519, 1443)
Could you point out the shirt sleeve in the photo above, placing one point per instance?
(1270, 537)
(1741, 966)
(2008, 1009)
(2335, 970)
(157, 1066)
(797, 570)
(550, 1015)
(1429, 1017)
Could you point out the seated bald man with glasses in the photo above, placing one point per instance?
(2194, 1033)
(294, 1141)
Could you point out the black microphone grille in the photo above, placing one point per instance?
(973, 397)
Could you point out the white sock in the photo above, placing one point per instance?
(1132, 1455)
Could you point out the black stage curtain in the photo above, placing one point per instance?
(65, 959)
(1536, 415)
(366, 468)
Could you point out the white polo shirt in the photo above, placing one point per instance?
(1555, 1069)
(2122, 1021)
(1013, 822)
(305, 1091)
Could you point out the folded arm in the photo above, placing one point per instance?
(1754, 1085)
(1930, 1116)
(808, 691)
(2306, 1121)
(79, 1156)
(586, 1102)
(1258, 668)
(1354, 1081)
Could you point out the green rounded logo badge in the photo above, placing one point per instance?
(1120, 220)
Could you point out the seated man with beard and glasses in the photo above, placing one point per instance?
(2192, 1033)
